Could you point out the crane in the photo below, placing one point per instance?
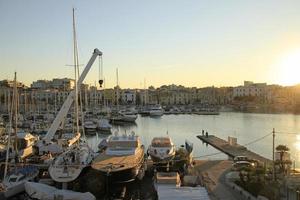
(46, 144)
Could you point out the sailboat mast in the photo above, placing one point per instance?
(75, 68)
(117, 89)
(145, 95)
(15, 103)
(11, 113)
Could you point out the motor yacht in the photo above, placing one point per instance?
(162, 150)
(122, 160)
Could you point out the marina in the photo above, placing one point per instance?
(162, 100)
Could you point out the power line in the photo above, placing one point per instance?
(288, 133)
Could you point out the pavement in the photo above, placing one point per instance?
(212, 174)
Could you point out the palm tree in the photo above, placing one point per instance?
(283, 163)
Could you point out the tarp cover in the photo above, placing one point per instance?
(170, 192)
(46, 192)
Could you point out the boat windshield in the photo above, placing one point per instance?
(161, 142)
(122, 144)
(13, 179)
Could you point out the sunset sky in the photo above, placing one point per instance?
(187, 42)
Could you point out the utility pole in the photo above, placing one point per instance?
(273, 153)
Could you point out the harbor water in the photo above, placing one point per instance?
(248, 128)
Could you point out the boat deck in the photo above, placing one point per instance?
(104, 162)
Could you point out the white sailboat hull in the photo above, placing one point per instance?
(68, 166)
(14, 183)
(64, 175)
(14, 190)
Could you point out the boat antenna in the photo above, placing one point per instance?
(117, 74)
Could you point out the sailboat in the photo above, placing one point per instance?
(122, 116)
(15, 176)
(14, 181)
(68, 166)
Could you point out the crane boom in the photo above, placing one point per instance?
(67, 104)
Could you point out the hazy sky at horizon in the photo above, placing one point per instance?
(192, 42)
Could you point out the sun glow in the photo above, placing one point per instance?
(297, 143)
(289, 69)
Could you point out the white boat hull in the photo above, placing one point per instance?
(69, 165)
(14, 190)
(161, 156)
(156, 113)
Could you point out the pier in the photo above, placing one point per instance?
(232, 150)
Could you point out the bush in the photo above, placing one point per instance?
(253, 188)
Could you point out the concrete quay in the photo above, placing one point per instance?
(232, 150)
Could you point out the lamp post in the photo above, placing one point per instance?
(273, 152)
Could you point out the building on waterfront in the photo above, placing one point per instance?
(62, 83)
(56, 83)
(180, 95)
(10, 84)
(41, 84)
(142, 97)
(250, 89)
(44, 95)
(128, 96)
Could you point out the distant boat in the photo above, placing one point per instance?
(156, 111)
(144, 111)
(104, 126)
(122, 160)
(207, 111)
(127, 116)
(90, 126)
(124, 116)
(162, 150)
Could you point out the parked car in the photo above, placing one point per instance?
(240, 158)
(239, 165)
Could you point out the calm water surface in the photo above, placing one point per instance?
(247, 127)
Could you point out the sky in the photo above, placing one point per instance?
(188, 42)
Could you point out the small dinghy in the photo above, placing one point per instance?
(46, 192)
(14, 182)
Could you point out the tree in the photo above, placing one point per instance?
(283, 163)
